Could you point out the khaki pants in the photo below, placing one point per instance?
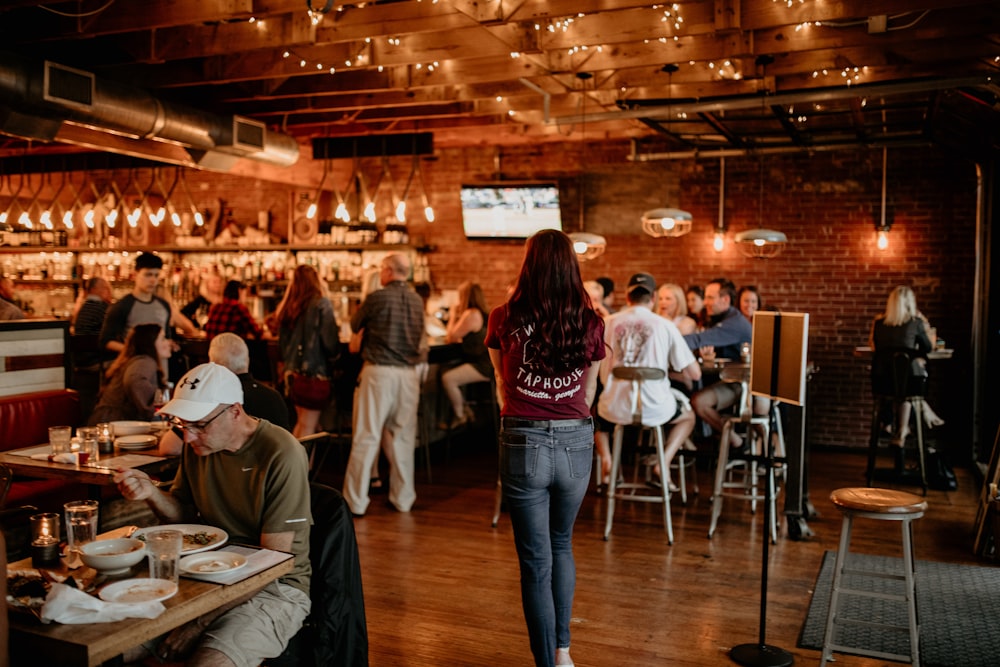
(386, 397)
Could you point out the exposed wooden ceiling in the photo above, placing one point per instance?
(749, 73)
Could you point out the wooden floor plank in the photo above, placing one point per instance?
(441, 585)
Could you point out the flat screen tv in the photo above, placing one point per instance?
(509, 210)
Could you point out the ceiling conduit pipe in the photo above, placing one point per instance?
(40, 96)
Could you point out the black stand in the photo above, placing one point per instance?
(761, 654)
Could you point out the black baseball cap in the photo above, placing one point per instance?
(641, 281)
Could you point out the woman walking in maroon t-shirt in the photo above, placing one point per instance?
(546, 343)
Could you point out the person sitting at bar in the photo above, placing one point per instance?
(8, 309)
(903, 327)
(467, 326)
(251, 479)
(695, 296)
(229, 350)
(91, 307)
(134, 377)
(608, 285)
(232, 315)
(727, 330)
(749, 302)
(672, 305)
(209, 294)
(635, 336)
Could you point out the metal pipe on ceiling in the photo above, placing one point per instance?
(118, 108)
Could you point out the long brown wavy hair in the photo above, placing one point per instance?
(470, 295)
(550, 297)
(304, 289)
(140, 341)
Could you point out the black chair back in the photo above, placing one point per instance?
(899, 373)
(336, 632)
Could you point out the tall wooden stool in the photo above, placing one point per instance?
(881, 505)
(759, 434)
(635, 490)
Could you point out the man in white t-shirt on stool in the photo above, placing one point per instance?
(636, 336)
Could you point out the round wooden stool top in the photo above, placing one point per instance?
(878, 501)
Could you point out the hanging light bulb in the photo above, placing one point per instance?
(719, 241)
(882, 227)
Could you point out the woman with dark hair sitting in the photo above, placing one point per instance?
(546, 344)
(134, 377)
(231, 315)
(468, 327)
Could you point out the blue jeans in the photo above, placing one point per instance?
(545, 472)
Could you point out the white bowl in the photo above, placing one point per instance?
(130, 428)
(113, 556)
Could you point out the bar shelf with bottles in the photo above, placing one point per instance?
(47, 280)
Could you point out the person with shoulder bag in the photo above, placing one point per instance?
(308, 340)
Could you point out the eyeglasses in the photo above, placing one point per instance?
(196, 427)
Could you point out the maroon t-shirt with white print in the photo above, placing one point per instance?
(530, 393)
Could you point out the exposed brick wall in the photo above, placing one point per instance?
(826, 203)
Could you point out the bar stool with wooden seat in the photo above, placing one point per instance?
(638, 490)
(742, 484)
(880, 505)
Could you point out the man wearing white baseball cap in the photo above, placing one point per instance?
(251, 479)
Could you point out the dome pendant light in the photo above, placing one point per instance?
(672, 222)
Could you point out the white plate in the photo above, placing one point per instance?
(138, 590)
(219, 536)
(130, 427)
(135, 442)
(212, 562)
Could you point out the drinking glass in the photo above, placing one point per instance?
(81, 523)
(87, 449)
(59, 438)
(164, 549)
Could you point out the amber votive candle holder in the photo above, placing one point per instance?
(44, 538)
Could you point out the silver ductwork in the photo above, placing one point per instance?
(54, 93)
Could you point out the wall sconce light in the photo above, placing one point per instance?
(672, 222)
(588, 246)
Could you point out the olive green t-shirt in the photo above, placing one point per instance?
(261, 488)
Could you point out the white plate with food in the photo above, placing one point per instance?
(130, 428)
(197, 538)
(212, 562)
(132, 442)
(138, 590)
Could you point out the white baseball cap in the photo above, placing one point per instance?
(201, 390)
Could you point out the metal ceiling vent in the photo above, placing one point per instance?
(69, 86)
(248, 134)
(53, 94)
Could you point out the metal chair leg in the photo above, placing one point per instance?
(616, 456)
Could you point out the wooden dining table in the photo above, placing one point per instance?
(95, 474)
(96, 643)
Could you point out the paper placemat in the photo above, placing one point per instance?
(110, 464)
(257, 561)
